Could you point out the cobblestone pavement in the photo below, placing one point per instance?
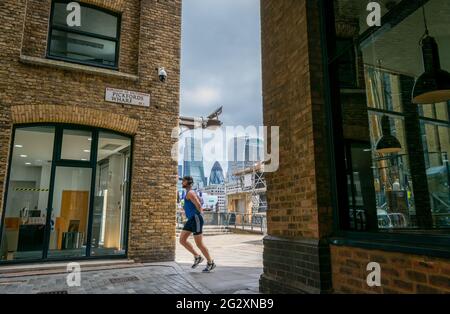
(161, 278)
(239, 263)
(239, 266)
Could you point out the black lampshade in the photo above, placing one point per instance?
(433, 86)
(388, 144)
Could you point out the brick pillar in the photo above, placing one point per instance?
(296, 255)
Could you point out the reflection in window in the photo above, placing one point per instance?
(108, 229)
(95, 42)
(405, 186)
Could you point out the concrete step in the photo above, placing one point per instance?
(7, 271)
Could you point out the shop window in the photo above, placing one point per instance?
(68, 203)
(24, 217)
(94, 42)
(395, 151)
(111, 197)
(76, 145)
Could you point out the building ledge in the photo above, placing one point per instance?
(437, 249)
(76, 67)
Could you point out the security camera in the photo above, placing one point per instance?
(162, 75)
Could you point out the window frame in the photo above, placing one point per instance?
(431, 242)
(57, 162)
(117, 39)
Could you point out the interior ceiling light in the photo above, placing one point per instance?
(388, 144)
(433, 86)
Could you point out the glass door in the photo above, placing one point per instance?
(111, 195)
(70, 212)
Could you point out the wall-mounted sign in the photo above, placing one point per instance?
(127, 97)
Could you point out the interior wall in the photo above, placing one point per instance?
(65, 180)
(23, 177)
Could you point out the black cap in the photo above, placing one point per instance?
(189, 179)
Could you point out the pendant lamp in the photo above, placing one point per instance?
(433, 86)
(388, 144)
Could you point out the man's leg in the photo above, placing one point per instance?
(201, 246)
(184, 242)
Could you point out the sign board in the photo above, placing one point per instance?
(126, 97)
(210, 201)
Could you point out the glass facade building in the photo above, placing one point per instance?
(216, 177)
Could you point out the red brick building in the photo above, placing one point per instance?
(364, 173)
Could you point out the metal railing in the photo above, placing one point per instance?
(246, 222)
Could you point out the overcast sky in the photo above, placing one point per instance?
(221, 62)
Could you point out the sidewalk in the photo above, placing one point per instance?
(238, 258)
(159, 278)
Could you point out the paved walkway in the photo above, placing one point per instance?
(161, 278)
(239, 260)
(239, 263)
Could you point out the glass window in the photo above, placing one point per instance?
(111, 194)
(95, 42)
(69, 220)
(76, 145)
(28, 193)
(396, 152)
(58, 208)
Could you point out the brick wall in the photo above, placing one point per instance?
(38, 18)
(291, 66)
(150, 38)
(400, 273)
(299, 214)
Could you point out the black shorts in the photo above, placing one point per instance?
(194, 225)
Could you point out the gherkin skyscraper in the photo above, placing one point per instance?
(216, 177)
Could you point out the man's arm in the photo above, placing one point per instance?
(192, 196)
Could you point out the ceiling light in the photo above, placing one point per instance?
(87, 151)
(433, 86)
(388, 144)
(28, 163)
(23, 156)
(18, 146)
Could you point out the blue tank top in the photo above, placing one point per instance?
(189, 208)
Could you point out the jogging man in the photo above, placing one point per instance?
(194, 224)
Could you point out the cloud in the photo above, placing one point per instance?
(201, 96)
(221, 60)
